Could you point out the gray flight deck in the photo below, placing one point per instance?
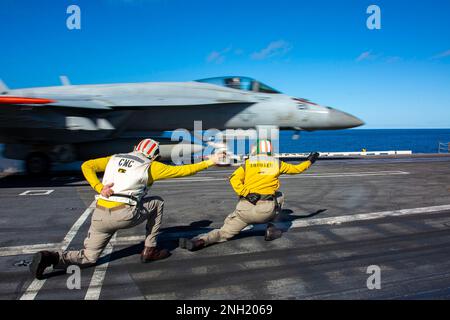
(340, 217)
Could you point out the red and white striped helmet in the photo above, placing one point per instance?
(148, 147)
(263, 147)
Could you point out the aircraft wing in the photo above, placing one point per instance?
(96, 102)
(66, 102)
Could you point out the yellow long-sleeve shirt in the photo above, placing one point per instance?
(156, 171)
(262, 176)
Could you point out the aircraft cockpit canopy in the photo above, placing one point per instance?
(240, 83)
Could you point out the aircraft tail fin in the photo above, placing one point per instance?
(64, 80)
(3, 87)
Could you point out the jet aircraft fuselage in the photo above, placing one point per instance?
(73, 122)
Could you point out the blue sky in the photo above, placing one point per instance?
(396, 77)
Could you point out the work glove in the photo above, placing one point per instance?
(313, 157)
(219, 158)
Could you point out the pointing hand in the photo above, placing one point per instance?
(107, 191)
(218, 157)
(313, 157)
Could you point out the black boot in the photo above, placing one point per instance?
(191, 245)
(272, 232)
(153, 253)
(41, 261)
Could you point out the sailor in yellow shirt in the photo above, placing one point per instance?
(256, 183)
(122, 203)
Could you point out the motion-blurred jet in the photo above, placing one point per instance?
(77, 122)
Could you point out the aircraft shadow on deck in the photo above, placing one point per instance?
(62, 178)
(59, 179)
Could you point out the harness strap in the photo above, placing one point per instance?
(126, 196)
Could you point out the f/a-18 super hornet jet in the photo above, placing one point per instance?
(76, 122)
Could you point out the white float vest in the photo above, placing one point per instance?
(129, 173)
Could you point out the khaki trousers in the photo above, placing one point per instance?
(106, 222)
(245, 214)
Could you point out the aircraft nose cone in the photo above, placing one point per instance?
(342, 120)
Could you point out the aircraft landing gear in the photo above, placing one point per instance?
(37, 163)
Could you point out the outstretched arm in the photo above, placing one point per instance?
(287, 168)
(160, 171)
(90, 169)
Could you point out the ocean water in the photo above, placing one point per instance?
(416, 140)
